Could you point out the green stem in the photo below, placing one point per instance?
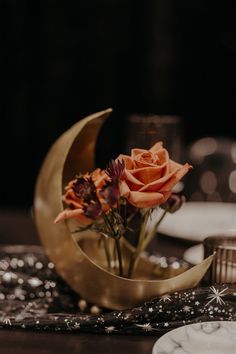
(114, 252)
(134, 257)
(117, 243)
(143, 242)
(109, 224)
(153, 232)
(107, 252)
(118, 248)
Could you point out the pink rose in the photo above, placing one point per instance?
(149, 176)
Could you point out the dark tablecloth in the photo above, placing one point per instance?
(33, 296)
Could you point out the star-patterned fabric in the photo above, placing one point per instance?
(33, 296)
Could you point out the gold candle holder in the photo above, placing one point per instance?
(74, 260)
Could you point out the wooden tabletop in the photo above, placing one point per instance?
(19, 342)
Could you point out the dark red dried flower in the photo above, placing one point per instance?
(115, 170)
(93, 210)
(85, 189)
(111, 193)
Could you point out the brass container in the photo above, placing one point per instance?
(79, 260)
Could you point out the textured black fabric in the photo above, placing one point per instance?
(33, 296)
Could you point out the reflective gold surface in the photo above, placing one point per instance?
(80, 260)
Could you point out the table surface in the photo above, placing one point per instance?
(17, 227)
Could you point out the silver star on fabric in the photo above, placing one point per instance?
(165, 298)
(110, 329)
(186, 308)
(76, 325)
(216, 295)
(7, 321)
(146, 327)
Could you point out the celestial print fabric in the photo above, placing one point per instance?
(34, 297)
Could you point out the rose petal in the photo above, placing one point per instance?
(145, 157)
(168, 181)
(146, 200)
(156, 147)
(147, 175)
(161, 156)
(76, 214)
(178, 174)
(137, 152)
(124, 189)
(142, 199)
(175, 165)
(129, 163)
(131, 179)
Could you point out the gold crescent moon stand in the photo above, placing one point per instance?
(79, 260)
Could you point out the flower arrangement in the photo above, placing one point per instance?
(106, 201)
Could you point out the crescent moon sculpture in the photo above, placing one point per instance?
(79, 260)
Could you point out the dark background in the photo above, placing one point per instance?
(62, 60)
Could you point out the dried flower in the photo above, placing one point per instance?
(93, 210)
(115, 170)
(85, 189)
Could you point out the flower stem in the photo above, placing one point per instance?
(117, 242)
(144, 240)
(135, 255)
(107, 252)
(153, 232)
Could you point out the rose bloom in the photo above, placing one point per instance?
(77, 204)
(149, 176)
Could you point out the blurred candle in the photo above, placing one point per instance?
(143, 131)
